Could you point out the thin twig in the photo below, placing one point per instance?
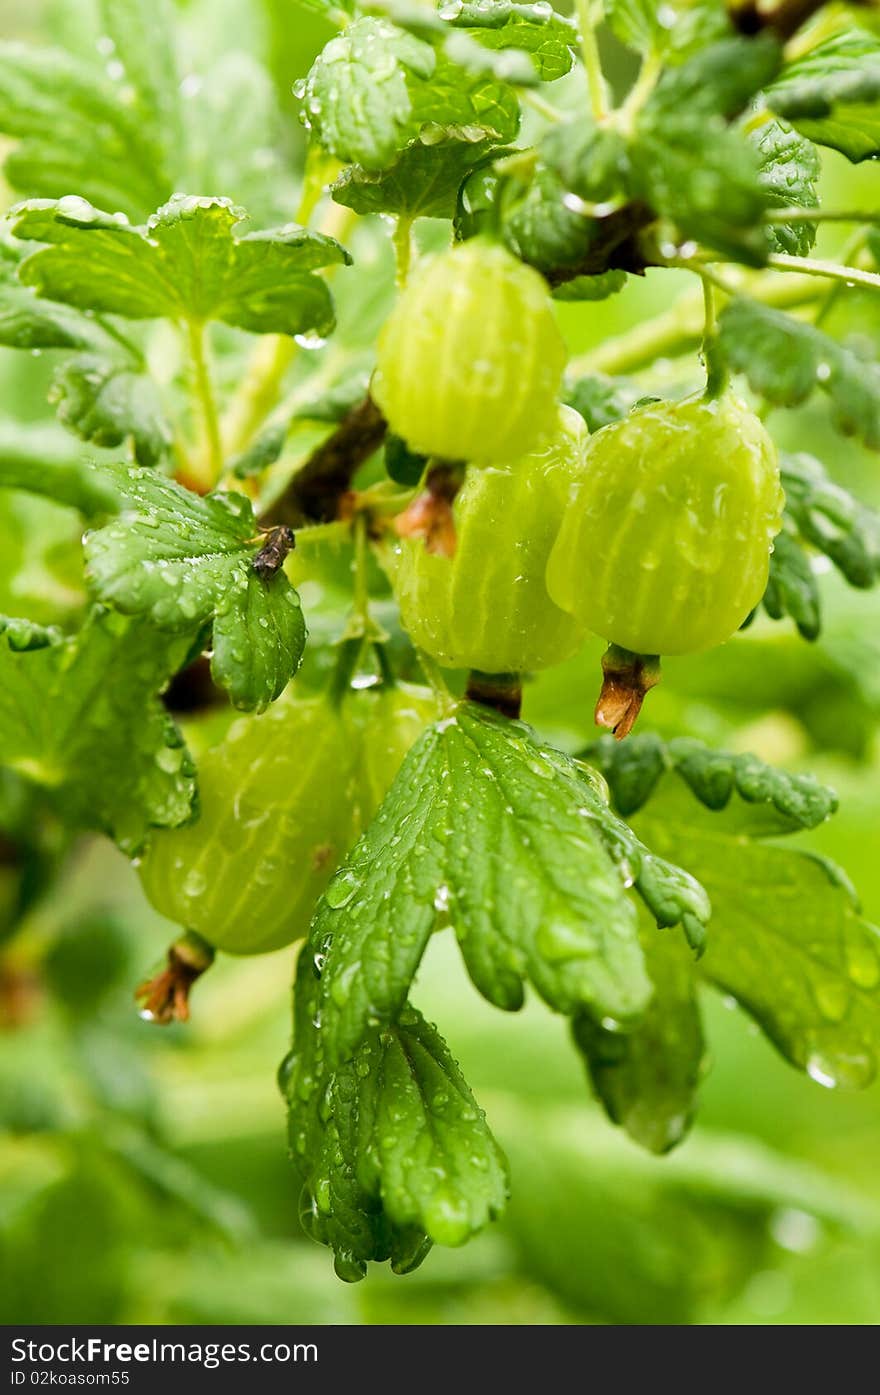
(317, 487)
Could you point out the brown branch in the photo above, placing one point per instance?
(314, 493)
(783, 18)
(617, 246)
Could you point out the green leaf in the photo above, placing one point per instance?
(27, 321)
(76, 130)
(647, 1078)
(703, 177)
(187, 263)
(504, 64)
(544, 231)
(787, 939)
(717, 81)
(235, 138)
(547, 37)
(601, 400)
(830, 93)
(788, 173)
(512, 844)
(773, 800)
(264, 451)
(375, 88)
(792, 587)
(619, 1237)
(401, 1156)
(108, 403)
(784, 360)
(22, 636)
(80, 716)
(259, 638)
(832, 520)
(182, 560)
(423, 183)
(636, 23)
(403, 465)
(44, 460)
(141, 34)
(591, 161)
(591, 287)
(674, 30)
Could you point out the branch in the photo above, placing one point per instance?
(314, 493)
(616, 248)
(783, 19)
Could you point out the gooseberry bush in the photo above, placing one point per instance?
(250, 411)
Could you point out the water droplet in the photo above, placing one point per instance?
(285, 1071)
(862, 963)
(310, 341)
(833, 1000)
(195, 883)
(441, 898)
(342, 889)
(794, 1230)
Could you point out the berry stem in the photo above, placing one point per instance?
(716, 369)
(679, 329)
(500, 691)
(429, 516)
(403, 249)
(628, 678)
(165, 997)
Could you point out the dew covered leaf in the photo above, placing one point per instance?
(74, 130)
(536, 30)
(183, 560)
(513, 845)
(141, 40)
(376, 88)
(788, 941)
(785, 360)
(830, 93)
(647, 1078)
(689, 165)
(400, 1156)
(544, 231)
(259, 638)
(81, 716)
(788, 173)
(422, 183)
(188, 263)
(768, 799)
(792, 586)
(832, 520)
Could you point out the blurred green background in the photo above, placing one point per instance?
(143, 1175)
